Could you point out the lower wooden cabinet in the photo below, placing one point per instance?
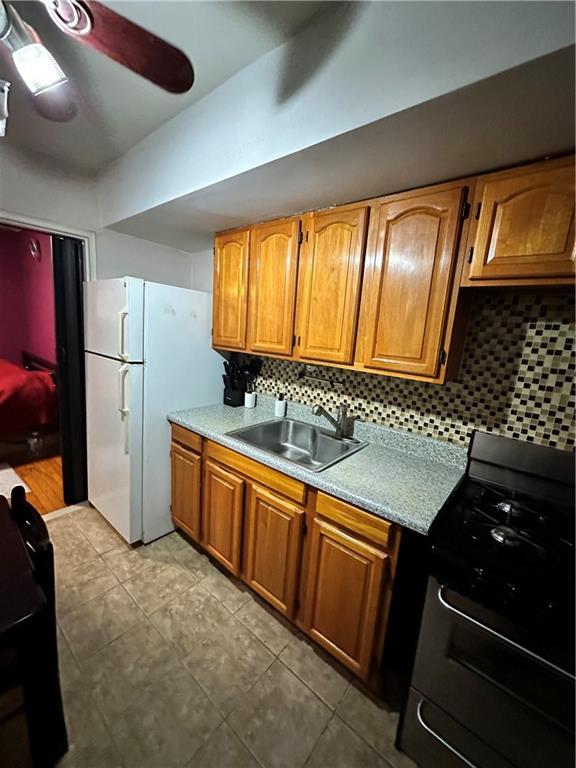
(222, 513)
(275, 531)
(321, 562)
(346, 580)
(186, 481)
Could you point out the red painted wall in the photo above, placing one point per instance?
(26, 296)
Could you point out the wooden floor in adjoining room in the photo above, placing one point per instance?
(44, 478)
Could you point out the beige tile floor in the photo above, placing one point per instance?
(166, 662)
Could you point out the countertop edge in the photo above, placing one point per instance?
(310, 478)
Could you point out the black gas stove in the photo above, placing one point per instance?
(493, 682)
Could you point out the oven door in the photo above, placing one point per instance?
(515, 701)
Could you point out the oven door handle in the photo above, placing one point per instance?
(503, 638)
(441, 739)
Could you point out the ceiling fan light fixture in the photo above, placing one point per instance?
(4, 88)
(38, 68)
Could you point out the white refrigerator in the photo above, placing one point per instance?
(147, 352)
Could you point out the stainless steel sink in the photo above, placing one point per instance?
(303, 444)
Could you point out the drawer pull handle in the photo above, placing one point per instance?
(439, 738)
(503, 638)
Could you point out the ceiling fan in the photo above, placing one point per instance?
(95, 25)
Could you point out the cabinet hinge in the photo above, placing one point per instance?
(465, 211)
(300, 237)
(470, 254)
(442, 357)
(478, 209)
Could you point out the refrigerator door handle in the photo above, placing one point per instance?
(122, 315)
(123, 410)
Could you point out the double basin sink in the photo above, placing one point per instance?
(305, 445)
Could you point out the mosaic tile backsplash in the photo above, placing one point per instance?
(516, 377)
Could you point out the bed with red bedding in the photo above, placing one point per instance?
(28, 401)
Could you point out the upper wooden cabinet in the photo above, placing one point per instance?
(525, 223)
(231, 260)
(374, 286)
(331, 263)
(407, 280)
(272, 286)
(274, 542)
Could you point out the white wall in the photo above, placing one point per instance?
(34, 186)
(202, 270)
(338, 74)
(118, 255)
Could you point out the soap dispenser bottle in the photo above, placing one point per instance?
(280, 407)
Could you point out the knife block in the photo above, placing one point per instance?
(233, 397)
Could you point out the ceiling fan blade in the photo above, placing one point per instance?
(136, 48)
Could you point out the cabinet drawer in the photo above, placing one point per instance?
(186, 438)
(371, 527)
(287, 486)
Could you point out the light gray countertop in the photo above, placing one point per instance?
(400, 476)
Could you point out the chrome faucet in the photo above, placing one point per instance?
(343, 423)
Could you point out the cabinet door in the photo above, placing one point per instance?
(407, 281)
(345, 584)
(526, 225)
(231, 260)
(330, 267)
(186, 478)
(223, 502)
(275, 530)
(273, 271)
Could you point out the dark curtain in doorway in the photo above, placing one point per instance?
(68, 260)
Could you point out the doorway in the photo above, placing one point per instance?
(42, 422)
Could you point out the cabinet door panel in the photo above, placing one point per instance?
(526, 226)
(186, 476)
(331, 268)
(273, 271)
(223, 502)
(408, 280)
(231, 260)
(345, 584)
(273, 550)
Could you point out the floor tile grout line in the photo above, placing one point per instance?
(352, 728)
(86, 685)
(136, 701)
(332, 716)
(241, 740)
(160, 607)
(333, 708)
(60, 615)
(77, 525)
(81, 660)
(245, 693)
(146, 619)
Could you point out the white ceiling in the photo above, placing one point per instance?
(489, 125)
(118, 108)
